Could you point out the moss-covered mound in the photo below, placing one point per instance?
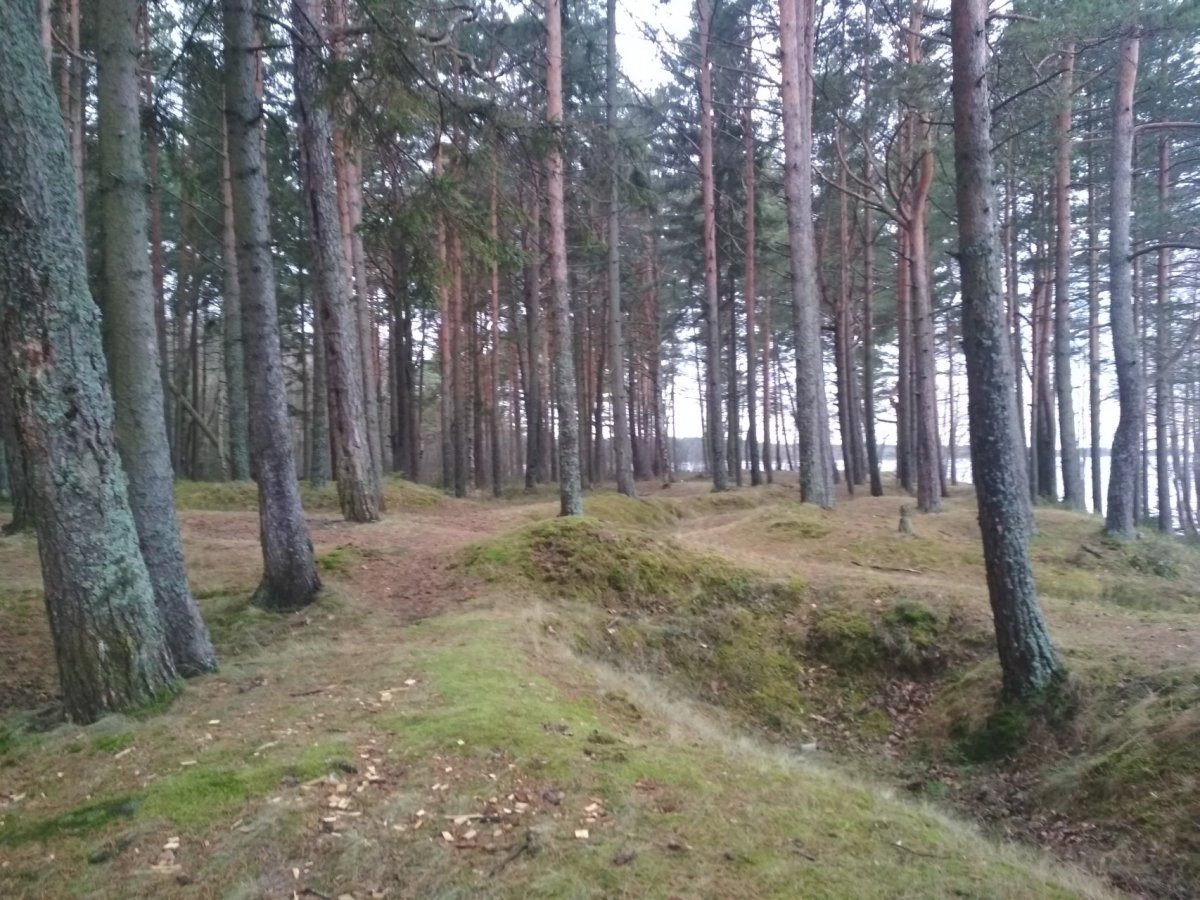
(725, 633)
(238, 496)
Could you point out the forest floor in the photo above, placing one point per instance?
(689, 695)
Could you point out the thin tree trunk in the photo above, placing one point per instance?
(768, 410)
(108, 640)
(1162, 349)
(534, 426)
(622, 451)
(712, 311)
(1124, 461)
(494, 401)
(929, 489)
(748, 173)
(1027, 659)
(231, 316)
(320, 467)
(812, 419)
(1072, 472)
(343, 369)
(1094, 334)
(132, 341)
(289, 573)
(570, 487)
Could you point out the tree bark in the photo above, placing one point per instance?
(132, 340)
(1124, 460)
(569, 485)
(712, 303)
(108, 639)
(289, 574)
(357, 492)
(622, 450)
(231, 319)
(534, 426)
(1027, 659)
(1094, 335)
(812, 416)
(1072, 471)
(748, 184)
(1162, 348)
(497, 469)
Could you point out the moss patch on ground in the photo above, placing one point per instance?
(232, 496)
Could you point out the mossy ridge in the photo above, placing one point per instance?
(242, 496)
(583, 558)
(487, 712)
(724, 633)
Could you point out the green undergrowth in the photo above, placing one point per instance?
(727, 634)
(240, 628)
(1111, 747)
(242, 496)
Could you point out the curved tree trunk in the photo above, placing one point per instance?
(132, 340)
(1125, 458)
(108, 639)
(1027, 659)
(289, 574)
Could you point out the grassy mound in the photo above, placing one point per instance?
(727, 634)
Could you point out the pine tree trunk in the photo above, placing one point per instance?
(1072, 472)
(1094, 334)
(357, 492)
(812, 419)
(534, 426)
(712, 311)
(289, 574)
(132, 340)
(1027, 659)
(748, 183)
(622, 450)
(497, 469)
(1125, 457)
(231, 316)
(108, 639)
(1162, 349)
(569, 483)
(320, 467)
(929, 490)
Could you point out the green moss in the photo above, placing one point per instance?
(1002, 735)
(338, 561)
(200, 795)
(76, 822)
(583, 558)
(1069, 584)
(874, 724)
(112, 743)
(844, 639)
(160, 702)
(233, 496)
